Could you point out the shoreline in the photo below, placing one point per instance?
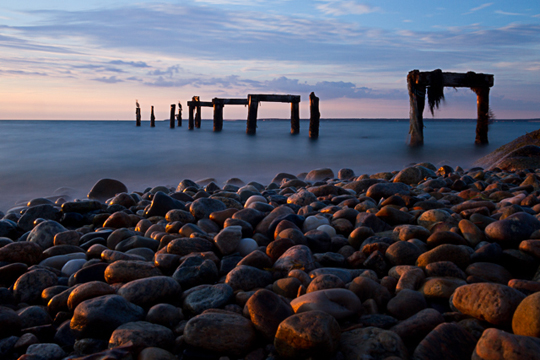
(438, 262)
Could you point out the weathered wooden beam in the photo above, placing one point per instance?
(171, 119)
(230, 101)
(417, 98)
(190, 121)
(470, 79)
(253, 104)
(197, 102)
(179, 116)
(314, 116)
(482, 122)
(218, 116)
(152, 117)
(137, 114)
(295, 118)
(276, 98)
(201, 103)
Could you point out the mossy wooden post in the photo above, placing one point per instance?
(253, 105)
(152, 117)
(295, 117)
(190, 121)
(137, 114)
(197, 100)
(417, 98)
(218, 114)
(482, 103)
(179, 116)
(171, 120)
(314, 116)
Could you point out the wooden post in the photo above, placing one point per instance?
(138, 114)
(295, 118)
(314, 116)
(152, 118)
(179, 116)
(417, 97)
(218, 115)
(253, 104)
(482, 102)
(196, 99)
(171, 120)
(190, 121)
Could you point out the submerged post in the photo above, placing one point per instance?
(137, 114)
(171, 120)
(295, 118)
(197, 100)
(417, 98)
(218, 114)
(314, 116)
(152, 118)
(190, 121)
(482, 103)
(253, 104)
(179, 116)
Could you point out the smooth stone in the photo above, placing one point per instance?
(44, 211)
(345, 174)
(495, 344)
(440, 287)
(296, 257)
(266, 311)
(32, 316)
(489, 272)
(10, 273)
(406, 303)
(494, 303)
(471, 232)
(311, 333)
(319, 174)
(155, 353)
(187, 245)
(410, 175)
(446, 252)
(228, 239)
(43, 234)
(447, 341)
(221, 332)
(366, 288)
(123, 271)
(100, 316)
(8, 228)
(372, 343)
(402, 253)
(137, 241)
(378, 320)
(204, 297)
(246, 278)
(287, 287)
(264, 225)
(327, 229)
(117, 220)
(247, 246)
(203, 207)
(526, 319)
(196, 270)
(313, 222)
(112, 256)
(150, 291)
(93, 272)
(318, 241)
(105, 189)
(512, 230)
(384, 190)
(10, 323)
(70, 237)
(59, 261)
(47, 351)
(28, 287)
(165, 314)
(163, 203)
(183, 216)
(431, 217)
(445, 237)
(407, 232)
(142, 252)
(415, 328)
(371, 221)
(325, 281)
(340, 303)
(142, 334)
(344, 274)
(301, 198)
(444, 269)
(87, 291)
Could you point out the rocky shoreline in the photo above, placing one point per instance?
(422, 263)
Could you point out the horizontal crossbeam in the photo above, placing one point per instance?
(276, 98)
(470, 79)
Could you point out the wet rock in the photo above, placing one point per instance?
(10, 323)
(142, 334)
(440, 287)
(371, 221)
(29, 286)
(406, 303)
(446, 341)
(34, 316)
(87, 291)
(319, 174)
(48, 351)
(203, 207)
(402, 253)
(296, 257)
(99, 317)
(194, 271)
(185, 246)
(25, 252)
(105, 189)
(489, 272)
(151, 290)
(221, 332)
(416, 327)
(312, 333)
(366, 288)
(123, 271)
(228, 239)
(407, 232)
(43, 234)
(526, 319)
(204, 297)
(446, 252)
(325, 281)
(162, 204)
(266, 311)
(372, 343)
(340, 303)
(45, 211)
(494, 303)
(384, 190)
(512, 230)
(498, 344)
(247, 278)
(165, 314)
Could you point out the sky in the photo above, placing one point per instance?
(91, 60)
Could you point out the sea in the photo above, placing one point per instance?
(42, 158)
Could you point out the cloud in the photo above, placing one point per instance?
(169, 72)
(483, 6)
(109, 80)
(340, 7)
(24, 73)
(136, 64)
(500, 12)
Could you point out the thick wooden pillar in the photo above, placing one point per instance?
(171, 120)
(482, 103)
(152, 117)
(190, 121)
(218, 116)
(295, 118)
(314, 116)
(253, 105)
(138, 114)
(197, 100)
(417, 98)
(179, 116)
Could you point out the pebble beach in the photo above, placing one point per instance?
(423, 263)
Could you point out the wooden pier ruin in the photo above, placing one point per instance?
(152, 117)
(434, 82)
(137, 113)
(252, 101)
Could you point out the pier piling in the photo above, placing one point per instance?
(171, 120)
(295, 118)
(179, 116)
(191, 107)
(152, 117)
(314, 116)
(137, 114)
(197, 101)
(253, 105)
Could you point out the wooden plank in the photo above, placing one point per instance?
(229, 101)
(276, 98)
(470, 79)
(314, 116)
(201, 103)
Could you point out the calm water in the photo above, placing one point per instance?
(38, 157)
